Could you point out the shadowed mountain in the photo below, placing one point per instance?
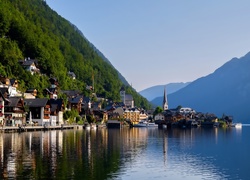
(227, 90)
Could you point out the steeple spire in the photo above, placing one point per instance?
(165, 102)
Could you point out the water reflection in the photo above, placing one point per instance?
(126, 153)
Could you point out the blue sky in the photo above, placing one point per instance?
(163, 41)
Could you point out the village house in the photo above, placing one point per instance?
(39, 111)
(11, 85)
(86, 104)
(75, 103)
(119, 111)
(173, 116)
(53, 82)
(209, 120)
(101, 116)
(30, 65)
(114, 115)
(13, 92)
(127, 99)
(52, 93)
(115, 111)
(2, 102)
(159, 117)
(227, 119)
(97, 105)
(72, 75)
(14, 111)
(30, 94)
(5, 92)
(71, 93)
(143, 115)
(56, 112)
(150, 114)
(4, 81)
(132, 115)
(14, 83)
(90, 88)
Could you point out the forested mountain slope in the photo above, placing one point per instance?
(30, 28)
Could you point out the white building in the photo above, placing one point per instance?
(159, 116)
(186, 110)
(127, 99)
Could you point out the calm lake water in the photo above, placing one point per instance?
(128, 153)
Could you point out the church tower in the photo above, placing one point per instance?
(165, 102)
(122, 94)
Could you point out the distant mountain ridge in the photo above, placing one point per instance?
(226, 91)
(157, 91)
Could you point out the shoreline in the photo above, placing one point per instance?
(38, 128)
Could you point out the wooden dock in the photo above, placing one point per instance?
(38, 128)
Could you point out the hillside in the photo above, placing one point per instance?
(124, 81)
(227, 90)
(157, 91)
(30, 28)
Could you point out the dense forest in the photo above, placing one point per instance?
(30, 28)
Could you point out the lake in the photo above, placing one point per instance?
(127, 153)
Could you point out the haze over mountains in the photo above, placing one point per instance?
(157, 91)
(227, 91)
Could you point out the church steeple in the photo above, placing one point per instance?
(165, 102)
(123, 94)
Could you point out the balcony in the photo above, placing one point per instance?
(46, 117)
(47, 112)
(18, 111)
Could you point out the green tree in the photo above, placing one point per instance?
(66, 115)
(2, 70)
(71, 116)
(91, 119)
(157, 110)
(179, 107)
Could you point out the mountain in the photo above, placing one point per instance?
(225, 91)
(30, 28)
(157, 91)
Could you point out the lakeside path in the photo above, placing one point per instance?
(38, 128)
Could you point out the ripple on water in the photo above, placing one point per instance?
(172, 164)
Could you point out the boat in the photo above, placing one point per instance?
(164, 126)
(93, 126)
(151, 124)
(238, 125)
(86, 126)
(141, 124)
(144, 123)
(192, 123)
